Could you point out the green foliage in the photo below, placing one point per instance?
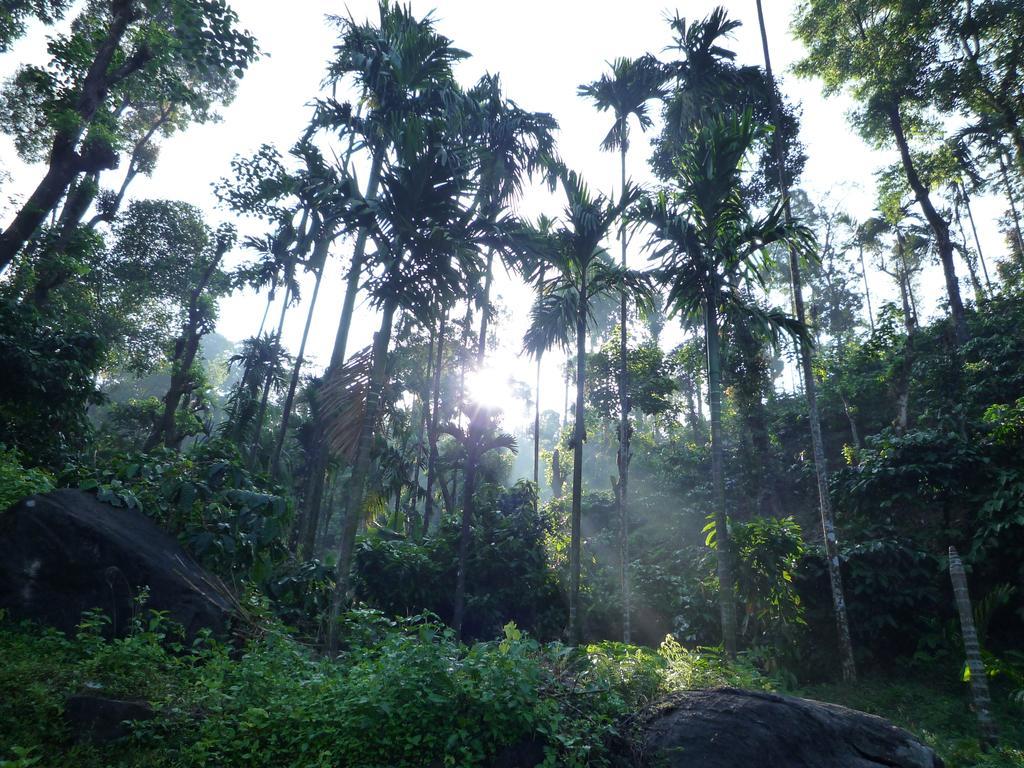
(650, 387)
(48, 382)
(768, 552)
(18, 481)
(509, 574)
(933, 705)
(400, 694)
(230, 520)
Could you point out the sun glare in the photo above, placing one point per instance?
(490, 388)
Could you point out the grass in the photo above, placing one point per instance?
(932, 704)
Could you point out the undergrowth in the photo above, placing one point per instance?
(400, 693)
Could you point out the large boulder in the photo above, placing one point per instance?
(725, 728)
(65, 552)
(100, 720)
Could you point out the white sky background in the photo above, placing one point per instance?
(543, 50)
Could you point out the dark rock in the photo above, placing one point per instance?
(524, 754)
(65, 552)
(725, 728)
(99, 720)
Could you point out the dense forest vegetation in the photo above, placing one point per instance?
(760, 467)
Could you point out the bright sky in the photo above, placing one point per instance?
(543, 50)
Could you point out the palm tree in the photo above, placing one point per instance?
(511, 144)
(425, 257)
(403, 70)
(318, 187)
(480, 437)
(710, 248)
(810, 385)
(563, 311)
(626, 92)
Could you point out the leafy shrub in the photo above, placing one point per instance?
(401, 694)
(768, 552)
(509, 573)
(47, 384)
(17, 482)
(229, 519)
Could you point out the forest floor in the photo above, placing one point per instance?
(936, 708)
(399, 693)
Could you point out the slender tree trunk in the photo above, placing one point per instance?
(1013, 207)
(320, 459)
(468, 510)
(848, 666)
(726, 580)
(356, 490)
(938, 225)
(867, 288)
(481, 349)
(319, 257)
(977, 241)
(355, 269)
(910, 324)
(428, 509)
(579, 435)
(265, 397)
(565, 404)
(422, 439)
(266, 312)
(972, 649)
(972, 267)
(536, 437)
(185, 351)
(854, 432)
(623, 456)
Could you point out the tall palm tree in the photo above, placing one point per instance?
(582, 273)
(402, 68)
(626, 92)
(480, 437)
(318, 188)
(710, 248)
(828, 523)
(511, 144)
(426, 255)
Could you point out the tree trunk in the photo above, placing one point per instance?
(972, 266)
(1013, 208)
(356, 490)
(428, 508)
(726, 580)
(854, 432)
(319, 257)
(355, 269)
(977, 241)
(867, 288)
(579, 435)
(185, 350)
(422, 439)
(910, 324)
(938, 225)
(321, 456)
(536, 438)
(468, 510)
(65, 161)
(972, 649)
(265, 397)
(623, 455)
(810, 392)
(481, 349)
